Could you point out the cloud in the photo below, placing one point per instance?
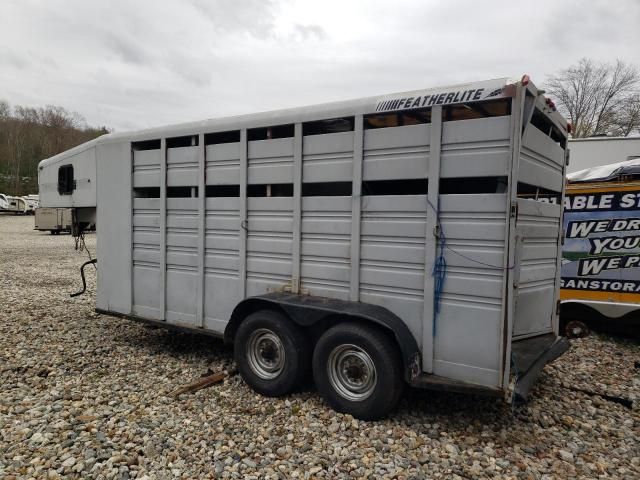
(13, 60)
(311, 31)
(139, 64)
(127, 48)
(255, 17)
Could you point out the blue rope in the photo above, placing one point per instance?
(439, 270)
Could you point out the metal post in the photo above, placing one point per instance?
(431, 240)
(202, 197)
(244, 221)
(356, 207)
(297, 209)
(517, 112)
(163, 229)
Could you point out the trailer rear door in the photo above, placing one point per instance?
(535, 267)
(538, 224)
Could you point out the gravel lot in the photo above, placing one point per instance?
(87, 396)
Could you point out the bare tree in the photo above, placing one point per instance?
(27, 135)
(594, 95)
(627, 120)
(5, 109)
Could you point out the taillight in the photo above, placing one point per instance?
(550, 103)
(569, 127)
(525, 80)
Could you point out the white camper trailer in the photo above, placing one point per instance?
(374, 242)
(68, 180)
(33, 202)
(18, 205)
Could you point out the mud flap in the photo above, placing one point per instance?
(529, 356)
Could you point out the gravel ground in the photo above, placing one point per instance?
(87, 396)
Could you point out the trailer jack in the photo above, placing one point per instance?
(84, 281)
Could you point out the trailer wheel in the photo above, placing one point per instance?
(272, 353)
(576, 329)
(358, 370)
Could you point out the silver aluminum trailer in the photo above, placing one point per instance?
(374, 242)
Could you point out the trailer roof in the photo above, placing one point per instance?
(604, 139)
(606, 172)
(445, 95)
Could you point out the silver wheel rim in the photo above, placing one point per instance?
(351, 372)
(265, 354)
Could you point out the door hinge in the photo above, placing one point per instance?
(567, 156)
(557, 307)
(562, 235)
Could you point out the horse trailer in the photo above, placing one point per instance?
(372, 243)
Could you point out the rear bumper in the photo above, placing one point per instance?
(612, 310)
(529, 357)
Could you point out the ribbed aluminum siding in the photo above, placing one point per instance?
(222, 261)
(182, 260)
(146, 257)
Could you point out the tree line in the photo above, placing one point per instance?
(29, 135)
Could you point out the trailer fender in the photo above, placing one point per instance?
(309, 310)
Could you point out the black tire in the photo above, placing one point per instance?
(258, 327)
(336, 349)
(576, 329)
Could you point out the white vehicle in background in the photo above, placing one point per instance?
(68, 180)
(600, 285)
(33, 203)
(18, 205)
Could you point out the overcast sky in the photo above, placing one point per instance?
(136, 64)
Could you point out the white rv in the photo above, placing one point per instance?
(33, 202)
(377, 242)
(17, 205)
(68, 180)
